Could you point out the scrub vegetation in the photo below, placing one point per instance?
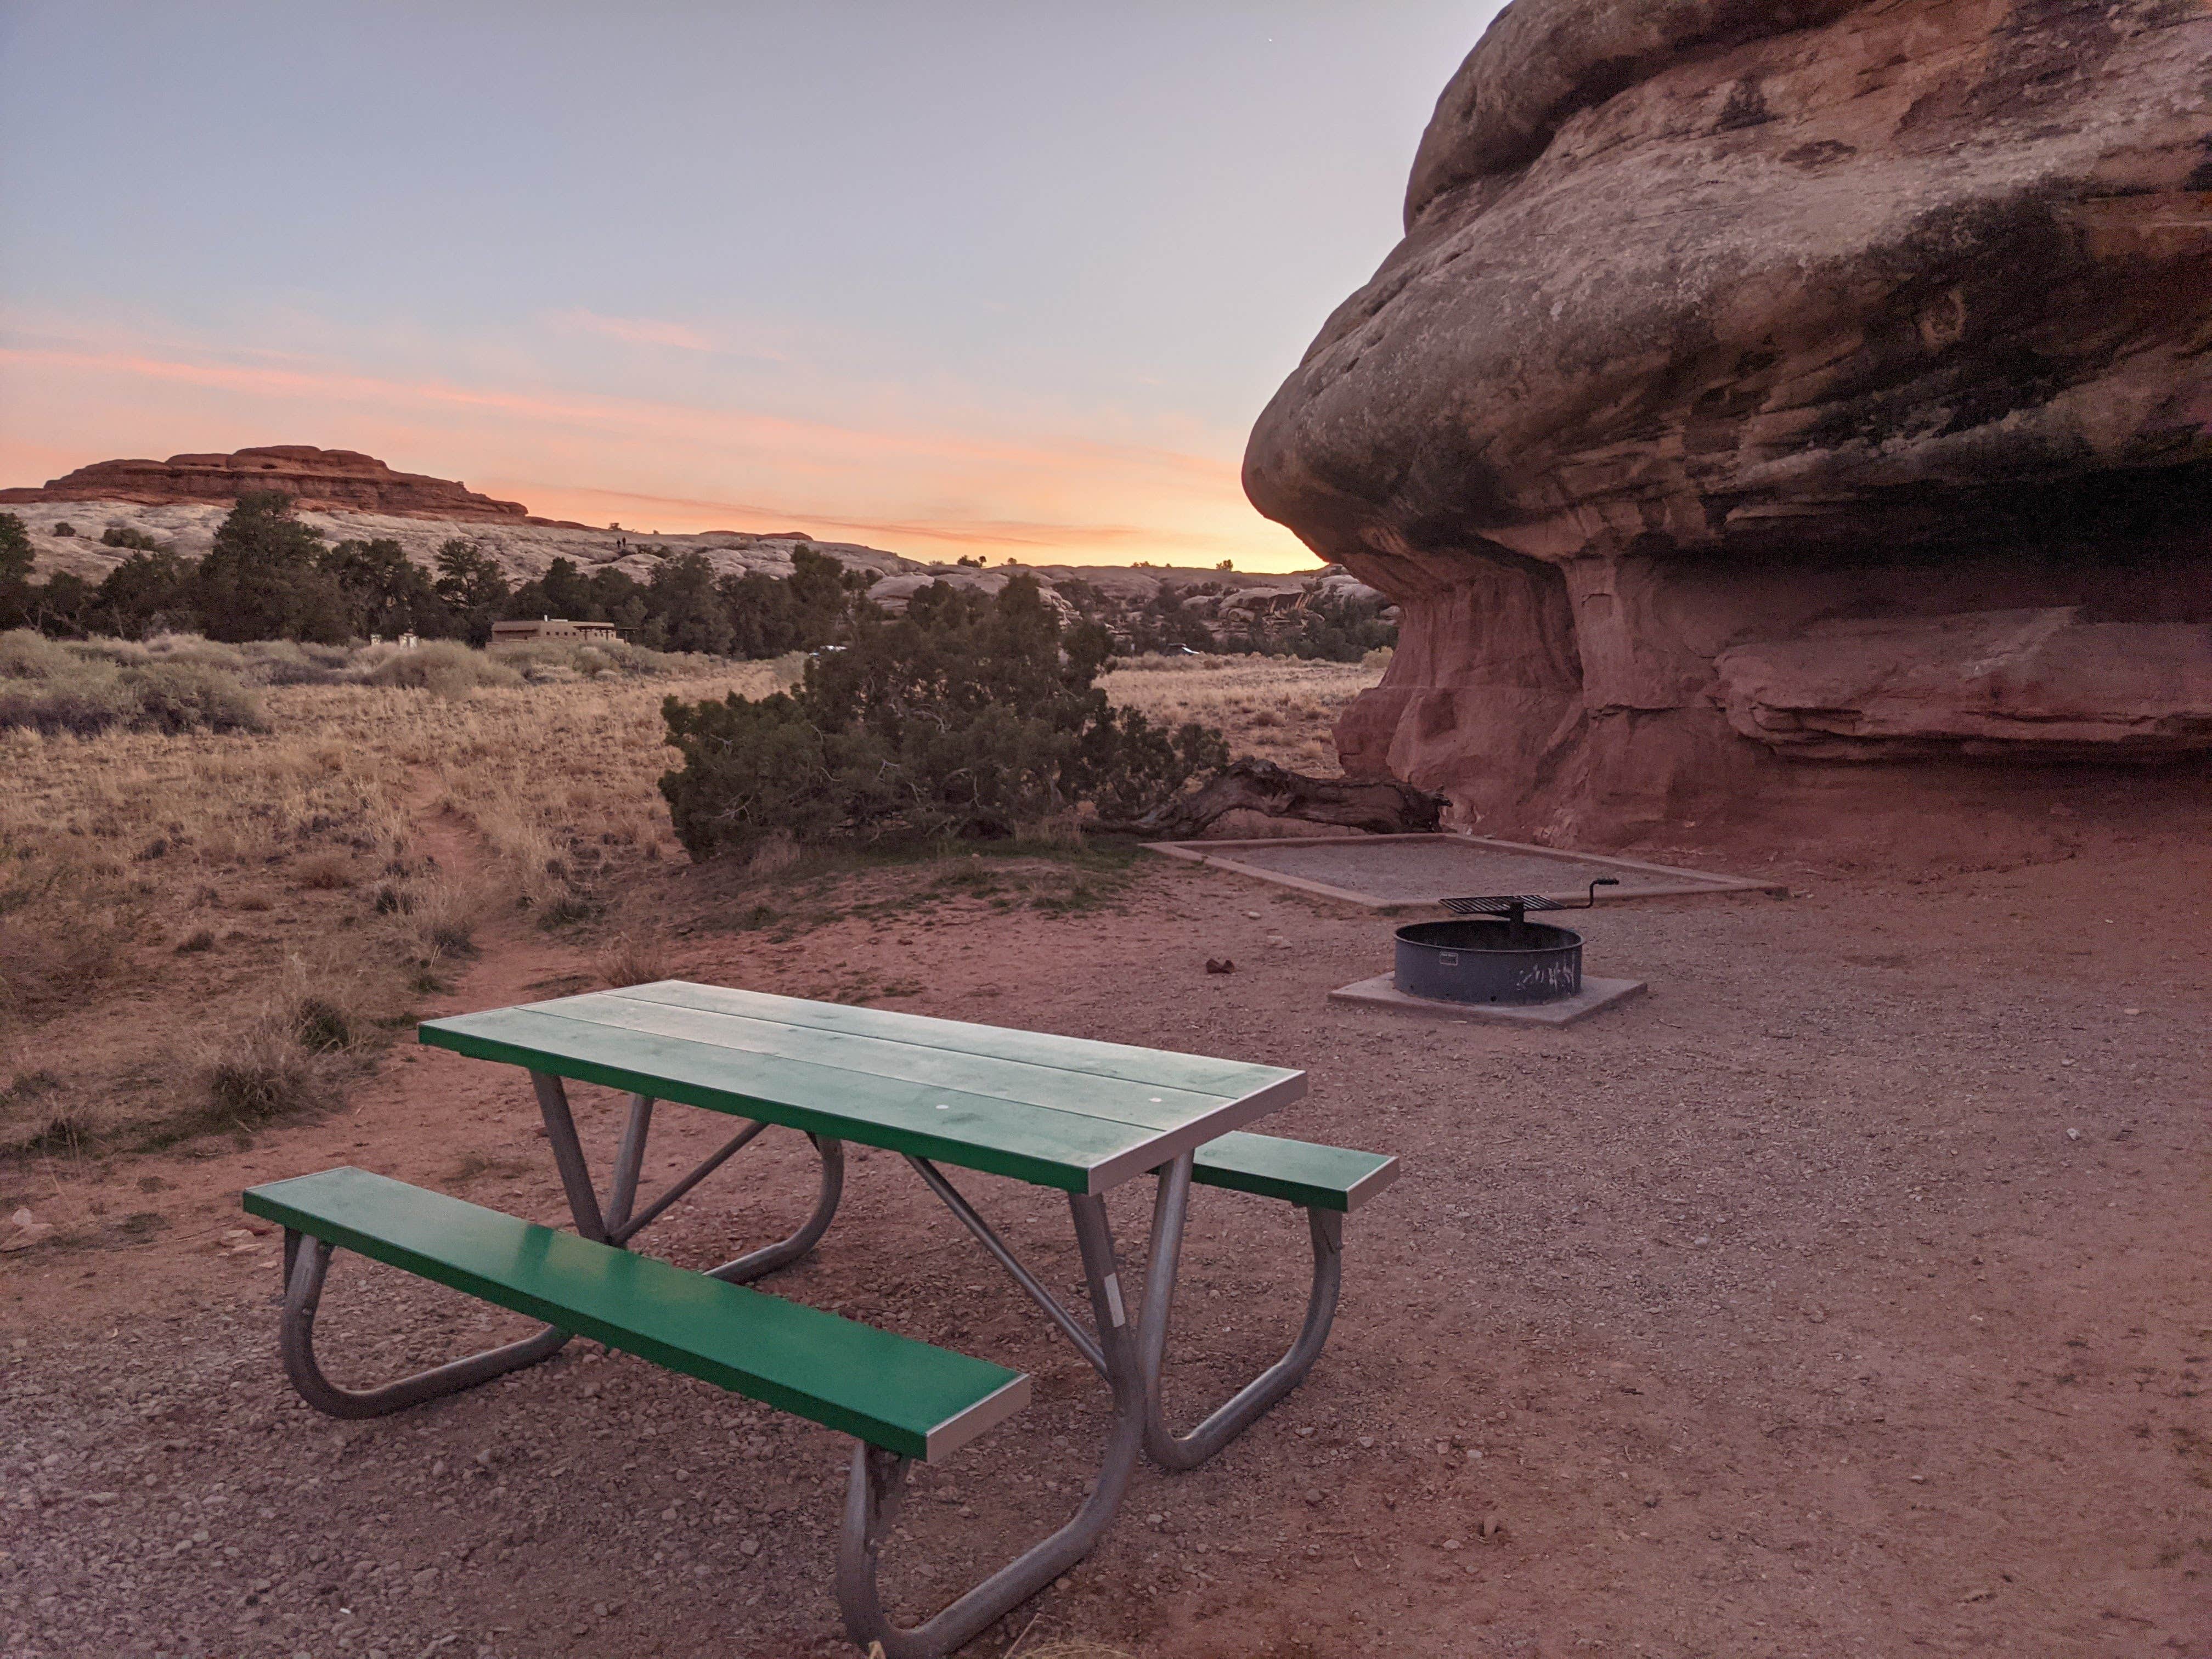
(206, 929)
(1278, 709)
(967, 718)
(271, 577)
(211, 928)
(235, 863)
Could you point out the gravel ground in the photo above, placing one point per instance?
(1846, 1296)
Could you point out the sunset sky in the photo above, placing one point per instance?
(1002, 278)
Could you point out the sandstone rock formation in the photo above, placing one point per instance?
(1982, 682)
(328, 479)
(1741, 356)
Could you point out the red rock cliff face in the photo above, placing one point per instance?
(1746, 372)
(318, 479)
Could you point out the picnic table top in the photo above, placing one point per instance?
(1056, 1111)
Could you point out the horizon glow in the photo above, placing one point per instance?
(973, 279)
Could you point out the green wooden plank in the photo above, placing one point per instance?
(889, 1390)
(1200, 1073)
(1296, 1171)
(1149, 1105)
(1029, 1143)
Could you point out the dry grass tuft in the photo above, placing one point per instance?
(1276, 707)
(777, 851)
(84, 688)
(46, 970)
(263, 1075)
(444, 668)
(291, 1059)
(1060, 829)
(115, 849)
(37, 1115)
(445, 916)
(324, 873)
(635, 961)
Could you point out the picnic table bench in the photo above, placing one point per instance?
(1062, 1112)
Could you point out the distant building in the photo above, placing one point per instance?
(552, 627)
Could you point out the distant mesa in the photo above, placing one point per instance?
(321, 480)
(180, 505)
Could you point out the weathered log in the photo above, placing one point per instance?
(1381, 806)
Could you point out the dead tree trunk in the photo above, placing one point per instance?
(1381, 806)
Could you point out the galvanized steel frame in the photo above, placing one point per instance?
(1130, 1355)
(305, 1268)
(878, 1479)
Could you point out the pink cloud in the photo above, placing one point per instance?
(632, 331)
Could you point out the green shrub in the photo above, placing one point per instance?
(115, 653)
(92, 685)
(189, 696)
(264, 577)
(968, 717)
(83, 704)
(289, 662)
(26, 656)
(445, 668)
(119, 535)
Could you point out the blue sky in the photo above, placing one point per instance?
(957, 277)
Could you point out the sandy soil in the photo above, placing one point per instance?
(1847, 1296)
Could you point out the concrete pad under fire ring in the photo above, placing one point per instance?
(1382, 991)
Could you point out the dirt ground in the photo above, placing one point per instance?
(1846, 1296)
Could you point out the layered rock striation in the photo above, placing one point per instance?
(327, 480)
(1746, 372)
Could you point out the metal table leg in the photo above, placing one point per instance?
(878, 1477)
(308, 1260)
(1176, 1452)
(770, 1257)
(620, 1219)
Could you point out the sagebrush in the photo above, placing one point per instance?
(969, 718)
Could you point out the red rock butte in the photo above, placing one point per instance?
(323, 480)
(1783, 412)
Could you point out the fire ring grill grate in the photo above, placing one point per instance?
(1491, 953)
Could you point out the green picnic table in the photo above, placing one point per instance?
(1053, 1111)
